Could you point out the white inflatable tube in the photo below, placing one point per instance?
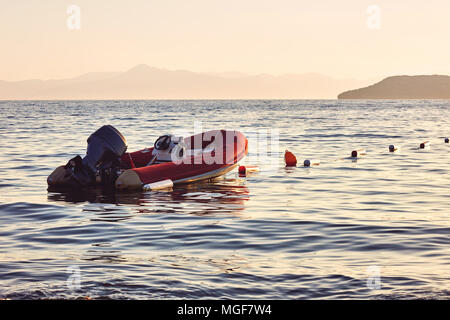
(164, 184)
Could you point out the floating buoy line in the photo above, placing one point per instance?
(291, 160)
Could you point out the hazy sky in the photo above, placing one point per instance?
(253, 36)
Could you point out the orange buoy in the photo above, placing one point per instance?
(290, 159)
(243, 170)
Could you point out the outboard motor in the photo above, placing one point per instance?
(100, 165)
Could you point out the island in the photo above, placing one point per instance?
(404, 87)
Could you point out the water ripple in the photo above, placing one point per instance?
(290, 233)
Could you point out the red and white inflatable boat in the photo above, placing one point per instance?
(172, 160)
(207, 155)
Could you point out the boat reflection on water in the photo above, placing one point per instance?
(158, 217)
(92, 195)
(220, 196)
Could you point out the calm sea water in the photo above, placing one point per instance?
(378, 227)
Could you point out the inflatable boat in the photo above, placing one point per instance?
(172, 160)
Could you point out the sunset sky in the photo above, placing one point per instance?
(251, 36)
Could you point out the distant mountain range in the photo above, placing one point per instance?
(145, 82)
(404, 87)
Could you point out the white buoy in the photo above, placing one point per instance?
(164, 184)
(309, 163)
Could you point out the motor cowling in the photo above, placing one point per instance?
(105, 146)
(99, 166)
